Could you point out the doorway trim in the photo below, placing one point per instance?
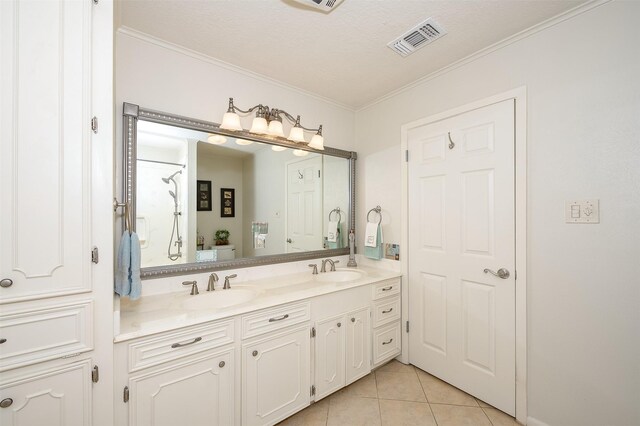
(519, 95)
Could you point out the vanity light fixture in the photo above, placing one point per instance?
(278, 148)
(268, 121)
(243, 142)
(217, 139)
(300, 153)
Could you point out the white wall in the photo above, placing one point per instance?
(583, 89)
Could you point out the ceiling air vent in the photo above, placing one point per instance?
(324, 5)
(417, 37)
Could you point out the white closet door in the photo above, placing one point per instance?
(304, 205)
(461, 222)
(45, 148)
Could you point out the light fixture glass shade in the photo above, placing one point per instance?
(243, 142)
(296, 134)
(275, 128)
(300, 153)
(278, 148)
(317, 142)
(230, 121)
(217, 139)
(259, 126)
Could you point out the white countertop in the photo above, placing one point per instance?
(164, 312)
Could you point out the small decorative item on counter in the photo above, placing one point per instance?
(222, 237)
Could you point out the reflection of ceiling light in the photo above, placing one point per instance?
(217, 139)
(278, 148)
(268, 121)
(300, 153)
(243, 142)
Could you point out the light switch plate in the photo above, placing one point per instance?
(582, 211)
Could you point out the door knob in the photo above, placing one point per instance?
(502, 273)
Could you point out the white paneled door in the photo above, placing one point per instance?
(304, 205)
(461, 223)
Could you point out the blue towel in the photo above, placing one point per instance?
(135, 283)
(375, 252)
(123, 262)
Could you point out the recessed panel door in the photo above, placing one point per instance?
(461, 252)
(304, 205)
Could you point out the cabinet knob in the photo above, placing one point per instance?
(2, 341)
(353, 320)
(222, 364)
(254, 353)
(339, 324)
(6, 402)
(6, 282)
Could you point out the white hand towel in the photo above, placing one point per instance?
(371, 235)
(332, 231)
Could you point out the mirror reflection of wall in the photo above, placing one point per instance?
(278, 201)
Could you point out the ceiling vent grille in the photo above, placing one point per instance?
(419, 36)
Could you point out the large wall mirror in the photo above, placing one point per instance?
(204, 198)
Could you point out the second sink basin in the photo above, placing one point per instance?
(339, 276)
(219, 299)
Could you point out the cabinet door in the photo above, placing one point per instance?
(276, 376)
(194, 393)
(329, 356)
(60, 396)
(45, 138)
(358, 353)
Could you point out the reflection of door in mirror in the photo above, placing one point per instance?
(304, 205)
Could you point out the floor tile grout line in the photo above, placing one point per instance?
(433, 415)
(486, 415)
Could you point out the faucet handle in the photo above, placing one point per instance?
(227, 284)
(315, 268)
(194, 287)
(333, 265)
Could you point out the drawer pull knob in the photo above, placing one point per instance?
(222, 364)
(6, 402)
(387, 288)
(6, 283)
(179, 345)
(353, 320)
(285, 316)
(387, 311)
(386, 343)
(3, 341)
(254, 353)
(339, 324)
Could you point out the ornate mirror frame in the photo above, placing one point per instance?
(131, 113)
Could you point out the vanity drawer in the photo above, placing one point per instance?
(386, 310)
(169, 346)
(274, 319)
(386, 343)
(37, 335)
(386, 288)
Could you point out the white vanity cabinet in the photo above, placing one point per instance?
(186, 376)
(342, 343)
(276, 364)
(387, 330)
(57, 396)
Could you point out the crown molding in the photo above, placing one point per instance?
(222, 64)
(564, 16)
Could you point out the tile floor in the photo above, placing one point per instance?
(400, 395)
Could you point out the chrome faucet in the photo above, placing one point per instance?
(227, 284)
(323, 268)
(213, 279)
(194, 287)
(315, 269)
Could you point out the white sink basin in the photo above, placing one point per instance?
(219, 299)
(339, 276)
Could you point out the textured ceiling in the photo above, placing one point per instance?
(342, 55)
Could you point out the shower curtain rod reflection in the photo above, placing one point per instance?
(162, 162)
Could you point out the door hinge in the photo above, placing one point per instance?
(95, 258)
(125, 394)
(313, 332)
(95, 374)
(406, 155)
(515, 275)
(94, 120)
(95, 1)
(318, 173)
(313, 390)
(407, 326)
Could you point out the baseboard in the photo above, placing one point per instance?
(531, 421)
